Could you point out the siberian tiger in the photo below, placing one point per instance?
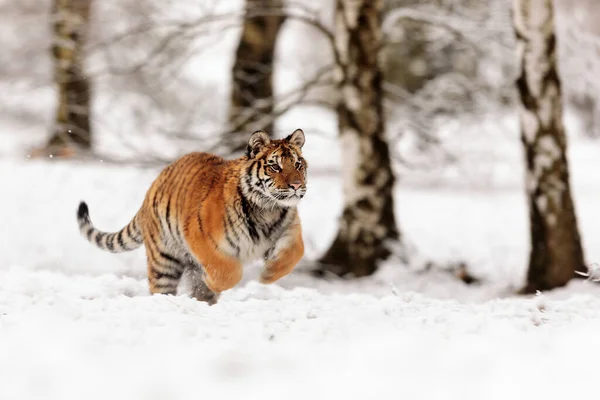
(209, 216)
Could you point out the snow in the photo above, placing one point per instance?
(71, 337)
(76, 322)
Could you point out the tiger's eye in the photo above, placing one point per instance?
(275, 168)
(298, 165)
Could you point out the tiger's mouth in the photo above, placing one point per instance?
(288, 197)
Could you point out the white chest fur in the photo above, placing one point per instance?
(256, 231)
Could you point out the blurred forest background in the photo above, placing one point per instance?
(400, 90)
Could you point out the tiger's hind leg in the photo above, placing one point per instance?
(164, 272)
(200, 291)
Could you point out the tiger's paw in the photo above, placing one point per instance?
(267, 277)
(201, 292)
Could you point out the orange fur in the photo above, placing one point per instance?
(210, 215)
(287, 258)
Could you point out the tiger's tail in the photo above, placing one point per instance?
(127, 239)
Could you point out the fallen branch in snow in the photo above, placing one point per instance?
(462, 273)
(459, 270)
(592, 274)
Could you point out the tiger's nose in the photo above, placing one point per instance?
(295, 185)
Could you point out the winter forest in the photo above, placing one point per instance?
(450, 225)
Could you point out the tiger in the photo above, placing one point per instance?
(208, 216)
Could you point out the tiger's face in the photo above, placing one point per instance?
(276, 168)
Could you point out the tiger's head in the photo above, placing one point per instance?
(275, 168)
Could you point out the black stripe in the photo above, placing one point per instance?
(201, 227)
(159, 200)
(256, 168)
(169, 257)
(128, 230)
(199, 218)
(237, 227)
(246, 211)
(176, 275)
(252, 166)
(285, 152)
(99, 239)
(156, 255)
(168, 211)
(168, 216)
(215, 161)
(109, 243)
(135, 236)
(232, 244)
(155, 201)
(277, 224)
(156, 260)
(173, 263)
(228, 231)
(154, 220)
(269, 253)
(232, 226)
(180, 186)
(208, 157)
(162, 265)
(168, 172)
(158, 196)
(120, 240)
(170, 285)
(166, 266)
(211, 184)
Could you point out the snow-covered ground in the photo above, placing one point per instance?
(73, 337)
(78, 323)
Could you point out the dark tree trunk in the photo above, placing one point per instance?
(252, 90)
(556, 251)
(367, 224)
(72, 123)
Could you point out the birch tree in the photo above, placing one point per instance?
(252, 87)
(556, 251)
(72, 121)
(367, 223)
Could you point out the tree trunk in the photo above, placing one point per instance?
(252, 89)
(556, 251)
(72, 124)
(367, 224)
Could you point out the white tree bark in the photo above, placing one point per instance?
(367, 223)
(72, 124)
(556, 251)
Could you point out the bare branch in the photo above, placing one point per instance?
(467, 29)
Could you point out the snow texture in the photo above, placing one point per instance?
(76, 322)
(72, 337)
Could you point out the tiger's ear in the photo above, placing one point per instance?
(257, 141)
(297, 138)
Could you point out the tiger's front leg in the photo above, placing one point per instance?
(220, 271)
(288, 250)
(200, 290)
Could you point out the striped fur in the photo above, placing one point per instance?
(127, 239)
(209, 216)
